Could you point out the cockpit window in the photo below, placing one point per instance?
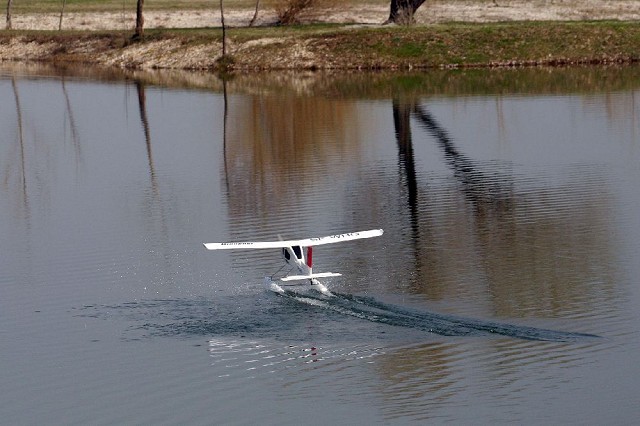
(298, 251)
(286, 254)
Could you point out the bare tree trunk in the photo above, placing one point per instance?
(9, 4)
(255, 14)
(402, 11)
(64, 2)
(139, 20)
(224, 34)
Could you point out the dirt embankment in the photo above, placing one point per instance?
(269, 51)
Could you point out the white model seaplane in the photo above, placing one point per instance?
(294, 254)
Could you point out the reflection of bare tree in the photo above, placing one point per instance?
(21, 142)
(266, 135)
(539, 249)
(485, 231)
(156, 215)
(72, 123)
(224, 134)
(402, 123)
(419, 371)
(529, 243)
(26, 170)
(620, 107)
(485, 190)
(142, 105)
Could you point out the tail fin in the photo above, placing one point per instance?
(310, 257)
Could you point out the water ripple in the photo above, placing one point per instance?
(370, 309)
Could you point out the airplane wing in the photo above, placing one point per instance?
(306, 277)
(304, 243)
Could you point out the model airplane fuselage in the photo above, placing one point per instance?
(298, 254)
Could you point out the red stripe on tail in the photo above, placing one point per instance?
(310, 257)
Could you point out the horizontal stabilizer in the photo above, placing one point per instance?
(308, 277)
(304, 243)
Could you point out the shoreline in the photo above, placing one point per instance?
(483, 35)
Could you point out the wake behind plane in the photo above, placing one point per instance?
(298, 254)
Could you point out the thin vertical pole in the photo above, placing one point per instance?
(224, 35)
(64, 2)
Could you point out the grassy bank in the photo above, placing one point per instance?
(445, 45)
(339, 46)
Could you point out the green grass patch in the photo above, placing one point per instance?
(492, 43)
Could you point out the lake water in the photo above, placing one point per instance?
(505, 289)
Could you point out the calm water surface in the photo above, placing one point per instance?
(504, 290)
